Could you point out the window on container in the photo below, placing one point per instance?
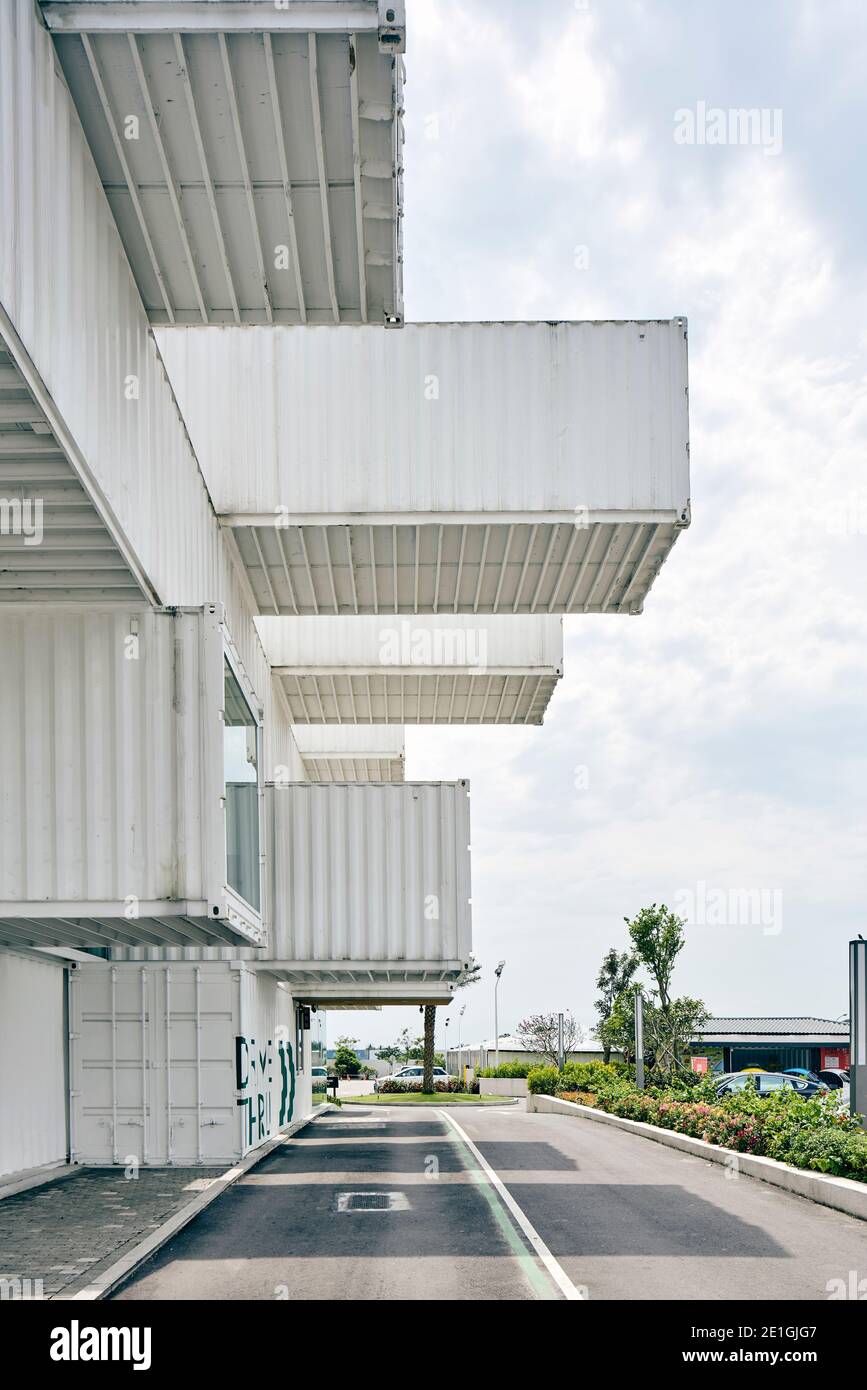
(241, 773)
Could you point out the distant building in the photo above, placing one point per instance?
(773, 1043)
(512, 1049)
(367, 1058)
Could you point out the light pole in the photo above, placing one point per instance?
(463, 1010)
(498, 972)
(639, 1040)
(446, 1045)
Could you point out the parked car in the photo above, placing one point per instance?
(766, 1082)
(803, 1072)
(415, 1072)
(835, 1078)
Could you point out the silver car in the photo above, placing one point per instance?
(413, 1072)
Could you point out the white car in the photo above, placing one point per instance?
(414, 1072)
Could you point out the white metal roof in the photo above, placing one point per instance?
(251, 152)
(366, 984)
(169, 929)
(466, 468)
(352, 753)
(424, 670)
(54, 544)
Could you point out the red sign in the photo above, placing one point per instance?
(699, 1064)
(834, 1058)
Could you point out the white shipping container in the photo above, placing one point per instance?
(450, 642)
(182, 1064)
(33, 1087)
(450, 669)
(512, 468)
(112, 780)
(72, 316)
(370, 877)
(439, 418)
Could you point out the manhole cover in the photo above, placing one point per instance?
(372, 1201)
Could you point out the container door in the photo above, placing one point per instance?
(33, 1089)
(110, 1047)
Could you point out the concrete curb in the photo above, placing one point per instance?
(843, 1194)
(108, 1281)
(36, 1178)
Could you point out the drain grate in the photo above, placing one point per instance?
(372, 1201)
(368, 1201)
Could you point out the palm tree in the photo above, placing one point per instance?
(470, 976)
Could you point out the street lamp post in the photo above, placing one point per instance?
(446, 1045)
(461, 1013)
(639, 1040)
(498, 972)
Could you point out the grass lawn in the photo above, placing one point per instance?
(416, 1098)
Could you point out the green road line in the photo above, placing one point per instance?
(538, 1281)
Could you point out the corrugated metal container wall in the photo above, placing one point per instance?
(369, 872)
(358, 740)
(85, 329)
(459, 417)
(32, 1077)
(283, 761)
(519, 642)
(108, 722)
(181, 1064)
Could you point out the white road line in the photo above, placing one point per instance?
(554, 1268)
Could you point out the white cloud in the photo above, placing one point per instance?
(723, 730)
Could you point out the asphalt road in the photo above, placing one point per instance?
(386, 1204)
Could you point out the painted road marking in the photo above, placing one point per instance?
(571, 1291)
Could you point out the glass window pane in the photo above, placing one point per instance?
(241, 775)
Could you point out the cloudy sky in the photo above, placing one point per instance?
(723, 731)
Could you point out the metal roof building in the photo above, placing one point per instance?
(230, 471)
(774, 1043)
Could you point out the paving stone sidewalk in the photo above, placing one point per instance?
(66, 1232)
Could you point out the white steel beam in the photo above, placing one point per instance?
(168, 175)
(206, 172)
(273, 92)
(245, 173)
(316, 110)
(127, 173)
(212, 16)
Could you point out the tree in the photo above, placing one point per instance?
(346, 1062)
(390, 1054)
(615, 976)
(657, 936)
(541, 1033)
(470, 976)
(669, 1024)
(408, 1048)
(617, 1031)
(669, 1032)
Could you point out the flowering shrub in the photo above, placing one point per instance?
(393, 1087)
(808, 1132)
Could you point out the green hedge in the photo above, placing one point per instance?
(578, 1076)
(510, 1071)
